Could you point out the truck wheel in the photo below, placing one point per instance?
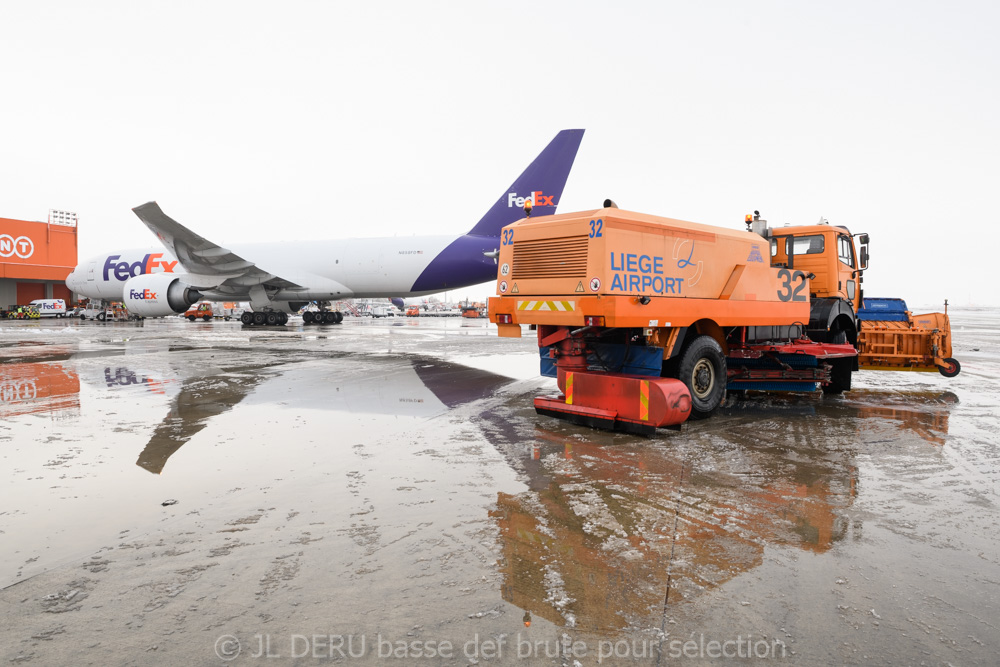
(702, 368)
(207, 318)
(101, 317)
(951, 368)
(840, 376)
(190, 318)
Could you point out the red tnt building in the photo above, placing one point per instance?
(36, 257)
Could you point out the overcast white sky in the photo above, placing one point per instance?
(252, 121)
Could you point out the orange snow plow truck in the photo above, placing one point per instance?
(646, 321)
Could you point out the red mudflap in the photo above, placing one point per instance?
(634, 403)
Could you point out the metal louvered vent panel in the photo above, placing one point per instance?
(550, 258)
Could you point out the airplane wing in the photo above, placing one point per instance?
(208, 266)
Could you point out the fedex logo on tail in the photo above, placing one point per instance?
(124, 270)
(142, 294)
(536, 198)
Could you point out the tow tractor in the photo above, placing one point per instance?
(647, 321)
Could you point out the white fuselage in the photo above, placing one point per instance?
(330, 270)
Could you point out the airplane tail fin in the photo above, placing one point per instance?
(542, 181)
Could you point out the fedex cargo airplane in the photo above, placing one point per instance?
(279, 278)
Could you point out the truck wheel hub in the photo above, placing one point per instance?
(702, 378)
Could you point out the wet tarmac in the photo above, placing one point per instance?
(382, 492)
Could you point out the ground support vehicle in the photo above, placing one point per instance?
(200, 311)
(17, 312)
(96, 312)
(50, 307)
(622, 301)
(894, 339)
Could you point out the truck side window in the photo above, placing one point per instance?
(808, 245)
(845, 250)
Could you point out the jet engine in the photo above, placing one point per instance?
(158, 295)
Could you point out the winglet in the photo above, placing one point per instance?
(543, 181)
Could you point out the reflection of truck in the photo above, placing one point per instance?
(647, 320)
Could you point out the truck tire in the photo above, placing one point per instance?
(101, 317)
(702, 369)
(207, 318)
(951, 369)
(191, 318)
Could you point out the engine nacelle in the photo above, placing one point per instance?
(158, 295)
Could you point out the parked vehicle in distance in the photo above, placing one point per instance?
(94, 312)
(202, 310)
(22, 313)
(50, 307)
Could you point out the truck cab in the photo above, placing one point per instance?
(826, 255)
(826, 258)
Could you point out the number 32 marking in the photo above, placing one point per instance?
(789, 278)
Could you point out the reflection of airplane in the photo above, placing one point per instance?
(415, 387)
(285, 276)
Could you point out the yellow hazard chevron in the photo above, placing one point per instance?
(561, 306)
(569, 389)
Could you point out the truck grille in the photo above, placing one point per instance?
(550, 258)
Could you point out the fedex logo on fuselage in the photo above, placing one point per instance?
(536, 199)
(142, 294)
(124, 270)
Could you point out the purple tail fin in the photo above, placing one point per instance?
(543, 181)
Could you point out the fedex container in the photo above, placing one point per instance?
(50, 307)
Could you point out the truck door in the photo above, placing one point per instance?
(847, 270)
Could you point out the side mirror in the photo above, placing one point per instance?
(864, 257)
(863, 239)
